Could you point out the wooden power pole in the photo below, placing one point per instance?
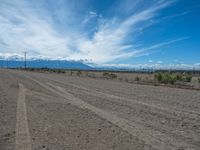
(25, 60)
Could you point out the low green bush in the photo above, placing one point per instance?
(166, 78)
(172, 77)
(199, 80)
(109, 75)
(179, 77)
(113, 76)
(60, 71)
(188, 78)
(158, 76)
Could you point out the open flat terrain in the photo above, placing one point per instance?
(41, 111)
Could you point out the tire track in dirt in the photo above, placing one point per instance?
(81, 104)
(106, 95)
(169, 131)
(156, 139)
(23, 141)
(153, 139)
(154, 119)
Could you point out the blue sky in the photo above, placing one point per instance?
(104, 32)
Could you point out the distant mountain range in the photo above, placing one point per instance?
(16, 62)
(63, 64)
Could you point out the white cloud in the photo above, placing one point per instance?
(31, 33)
(108, 43)
(197, 64)
(22, 28)
(93, 14)
(150, 61)
(159, 62)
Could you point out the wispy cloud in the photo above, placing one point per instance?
(91, 15)
(23, 28)
(21, 32)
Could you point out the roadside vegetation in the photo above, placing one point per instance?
(50, 70)
(171, 78)
(109, 75)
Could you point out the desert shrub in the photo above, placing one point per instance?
(199, 80)
(105, 74)
(109, 75)
(55, 70)
(187, 78)
(79, 73)
(112, 75)
(158, 76)
(137, 78)
(172, 78)
(179, 77)
(60, 71)
(166, 78)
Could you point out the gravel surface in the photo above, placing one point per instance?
(75, 113)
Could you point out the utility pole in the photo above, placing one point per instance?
(7, 63)
(25, 60)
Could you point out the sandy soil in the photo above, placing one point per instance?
(62, 112)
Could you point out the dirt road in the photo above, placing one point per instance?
(58, 112)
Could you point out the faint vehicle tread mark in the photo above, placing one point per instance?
(23, 141)
(154, 140)
(103, 94)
